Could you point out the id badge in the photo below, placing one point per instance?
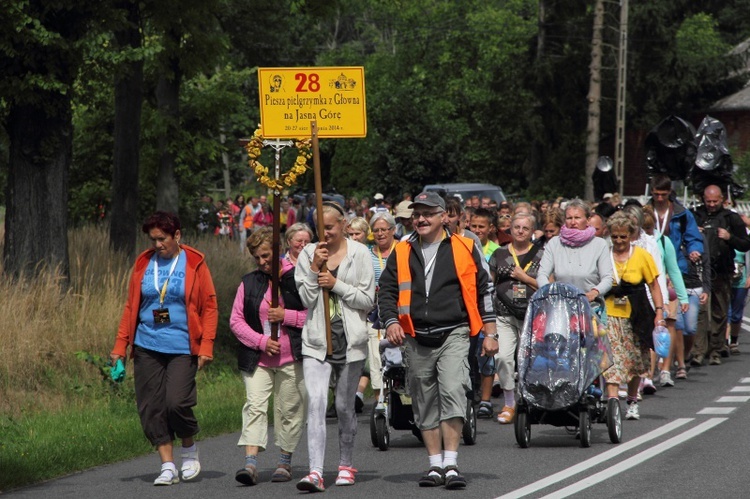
(519, 291)
(621, 301)
(161, 316)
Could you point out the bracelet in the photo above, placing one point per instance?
(491, 336)
(657, 308)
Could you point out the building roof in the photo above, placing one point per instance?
(738, 101)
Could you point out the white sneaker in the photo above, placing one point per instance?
(665, 379)
(633, 412)
(168, 475)
(190, 464)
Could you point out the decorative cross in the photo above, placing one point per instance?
(277, 145)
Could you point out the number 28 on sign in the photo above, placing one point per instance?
(290, 98)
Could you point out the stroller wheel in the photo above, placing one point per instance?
(373, 428)
(523, 429)
(614, 421)
(383, 432)
(584, 427)
(470, 426)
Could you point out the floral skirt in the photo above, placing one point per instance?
(630, 358)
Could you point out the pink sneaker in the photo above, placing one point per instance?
(346, 475)
(311, 483)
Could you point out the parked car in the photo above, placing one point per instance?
(466, 191)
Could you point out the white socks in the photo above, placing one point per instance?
(510, 398)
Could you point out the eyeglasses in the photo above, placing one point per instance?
(616, 236)
(381, 231)
(417, 214)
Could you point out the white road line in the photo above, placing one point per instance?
(738, 389)
(635, 460)
(596, 460)
(715, 411)
(745, 380)
(733, 398)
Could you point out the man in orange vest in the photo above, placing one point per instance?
(434, 294)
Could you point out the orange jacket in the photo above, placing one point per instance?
(466, 270)
(247, 221)
(200, 301)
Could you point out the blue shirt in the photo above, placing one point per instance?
(171, 338)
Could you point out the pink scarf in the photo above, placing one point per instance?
(575, 238)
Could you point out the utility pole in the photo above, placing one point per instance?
(622, 77)
(594, 98)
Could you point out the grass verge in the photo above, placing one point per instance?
(92, 431)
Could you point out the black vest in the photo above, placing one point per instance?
(255, 284)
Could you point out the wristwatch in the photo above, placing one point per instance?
(492, 336)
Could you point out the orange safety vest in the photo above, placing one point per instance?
(248, 220)
(466, 270)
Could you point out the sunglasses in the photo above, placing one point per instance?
(615, 236)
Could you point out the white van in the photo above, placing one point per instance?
(466, 191)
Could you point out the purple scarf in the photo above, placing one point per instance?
(575, 238)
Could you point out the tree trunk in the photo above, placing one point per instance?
(168, 102)
(123, 228)
(36, 221)
(594, 98)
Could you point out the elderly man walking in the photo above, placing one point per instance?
(723, 232)
(434, 294)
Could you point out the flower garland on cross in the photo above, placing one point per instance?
(287, 179)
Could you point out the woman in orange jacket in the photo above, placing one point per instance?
(169, 322)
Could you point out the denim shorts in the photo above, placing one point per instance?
(688, 322)
(737, 305)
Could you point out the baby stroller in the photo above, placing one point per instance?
(394, 403)
(563, 351)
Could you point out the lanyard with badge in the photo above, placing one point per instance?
(621, 300)
(661, 222)
(161, 314)
(519, 288)
(380, 255)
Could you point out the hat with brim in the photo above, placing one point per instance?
(403, 210)
(429, 198)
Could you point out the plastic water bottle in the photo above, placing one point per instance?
(662, 341)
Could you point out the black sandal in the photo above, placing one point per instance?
(431, 479)
(456, 481)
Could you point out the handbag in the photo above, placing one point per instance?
(516, 307)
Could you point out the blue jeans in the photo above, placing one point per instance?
(737, 305)
(688, 322)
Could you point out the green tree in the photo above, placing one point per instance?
(41, 47)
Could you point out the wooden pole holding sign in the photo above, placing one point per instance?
(320, 228)
(277, 145)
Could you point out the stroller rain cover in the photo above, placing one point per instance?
(563, 348)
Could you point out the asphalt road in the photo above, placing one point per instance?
(690, 442)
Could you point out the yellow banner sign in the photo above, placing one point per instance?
(290, 98)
